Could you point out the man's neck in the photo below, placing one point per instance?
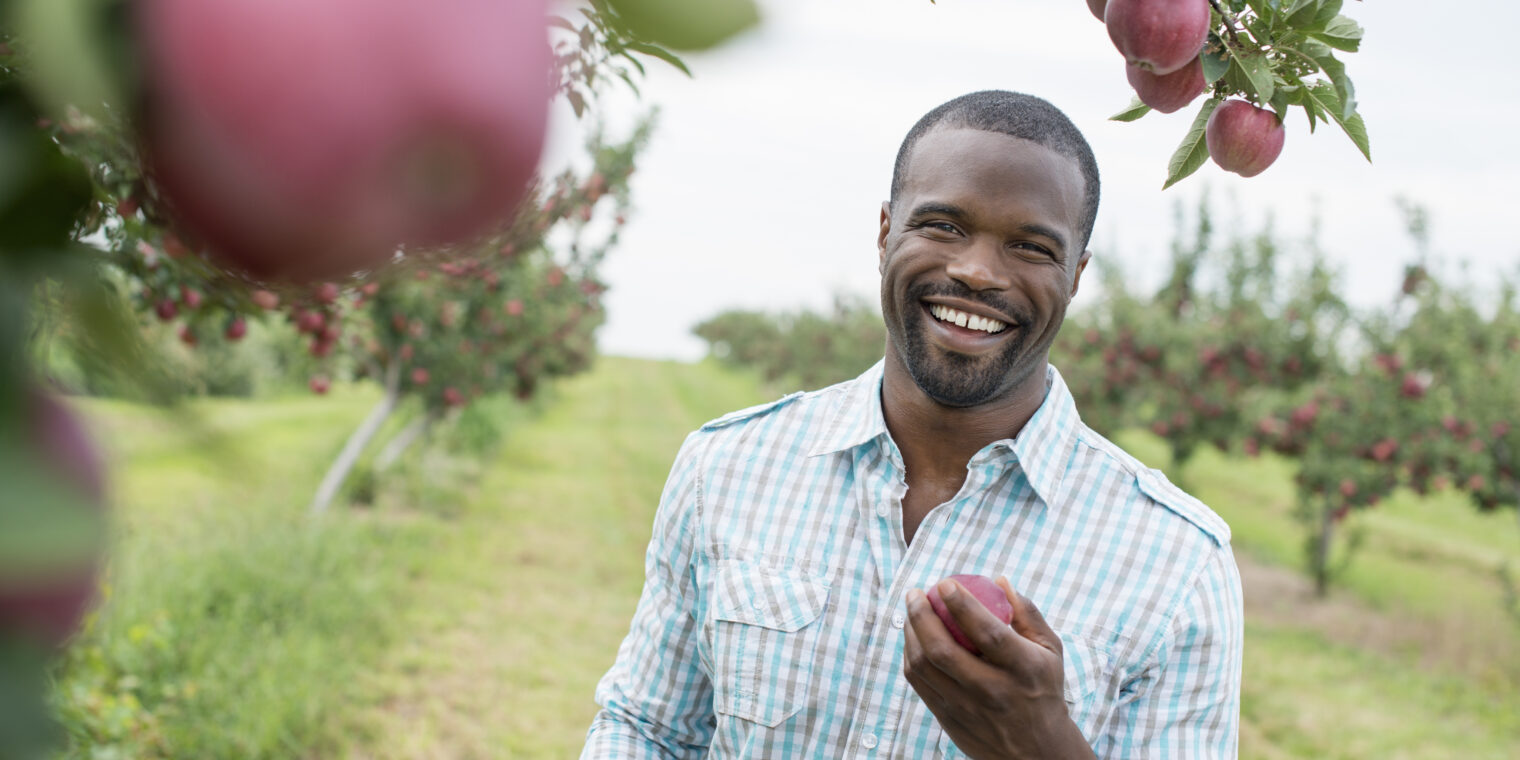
(937, 441)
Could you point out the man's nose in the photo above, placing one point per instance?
(980, 265)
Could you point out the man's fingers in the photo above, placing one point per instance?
(1027, 619)
(938, 649)
(984, 629)
(922, 675)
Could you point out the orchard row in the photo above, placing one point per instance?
(1239, 352)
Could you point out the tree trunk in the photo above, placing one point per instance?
(361, 437)
(1321, 558)
(404, 440)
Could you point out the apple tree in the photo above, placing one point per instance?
(1254, 60)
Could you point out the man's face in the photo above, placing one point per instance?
(985, 231)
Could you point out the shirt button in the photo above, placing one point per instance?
(898, 620)
(881, 509)
(868, 741)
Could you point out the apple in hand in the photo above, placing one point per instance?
(985, 591)
(1160, 36)
(1242, 138)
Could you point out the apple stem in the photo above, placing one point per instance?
(1229, 20)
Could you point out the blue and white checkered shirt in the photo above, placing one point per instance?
(770, 625)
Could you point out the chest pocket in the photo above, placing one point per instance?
(764, 639)
(1088, 676)
(1086, 671)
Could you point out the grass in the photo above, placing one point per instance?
(469, 611)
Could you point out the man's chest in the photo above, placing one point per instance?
(804, 587)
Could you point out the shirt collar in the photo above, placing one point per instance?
(1043, 448)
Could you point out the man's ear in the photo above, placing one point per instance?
(1076, 279)
(881, 236)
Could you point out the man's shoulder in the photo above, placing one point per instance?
(1155, 488)
(804, 408)
(749, 414)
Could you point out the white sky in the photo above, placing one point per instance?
(763, 182)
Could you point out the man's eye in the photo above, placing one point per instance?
(941, 227)
(1034, 248)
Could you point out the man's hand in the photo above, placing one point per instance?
(1007, 703)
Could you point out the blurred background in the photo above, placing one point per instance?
(320, 439)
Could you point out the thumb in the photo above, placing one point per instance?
(1028, 621)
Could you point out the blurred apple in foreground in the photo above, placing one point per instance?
(298, 140)
(47, 582)
(986, 591)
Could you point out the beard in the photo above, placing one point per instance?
(952, 379)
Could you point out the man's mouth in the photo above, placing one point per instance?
(968, 321)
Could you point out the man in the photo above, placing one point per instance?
(783, 614)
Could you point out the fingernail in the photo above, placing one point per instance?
(947, 589)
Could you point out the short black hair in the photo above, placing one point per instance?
(1016, 115)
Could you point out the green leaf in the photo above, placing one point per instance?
(1336, 71)
(1216, 60)
(1280, 100)
(1342, 33)
(1322, 95)
(1134, 111)
(1311, 110)
(686, 24)
(1257, 71)
(1194, 150)
(660, 53)
(1301, 13)
(1328, 10)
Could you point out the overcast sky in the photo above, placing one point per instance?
(763, 183)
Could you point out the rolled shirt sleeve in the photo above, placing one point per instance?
(1188, 705)
(657, 698)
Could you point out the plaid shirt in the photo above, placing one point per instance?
(770, 625)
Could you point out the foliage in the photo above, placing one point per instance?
(804, 348)
(1279, 54)
(1236, 351)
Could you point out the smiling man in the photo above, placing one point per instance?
(783, 614)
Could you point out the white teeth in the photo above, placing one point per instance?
(961, 318)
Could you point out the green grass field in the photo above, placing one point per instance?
(468, 611)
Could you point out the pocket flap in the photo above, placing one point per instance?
(778, 598)
(1085, 665)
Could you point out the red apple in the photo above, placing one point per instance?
(166, 310)
(986, 591)
(236, 329)
(49, 602)
(1242, 138)
(265, 300)
(320, 384)
(1160, 36)
(1097, 7)
(298, 140)
(452, 397)
(419, 376)
(327, 292)
(1167, 93)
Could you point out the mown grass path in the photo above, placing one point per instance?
(512, 626)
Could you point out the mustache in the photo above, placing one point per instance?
(954, 289)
